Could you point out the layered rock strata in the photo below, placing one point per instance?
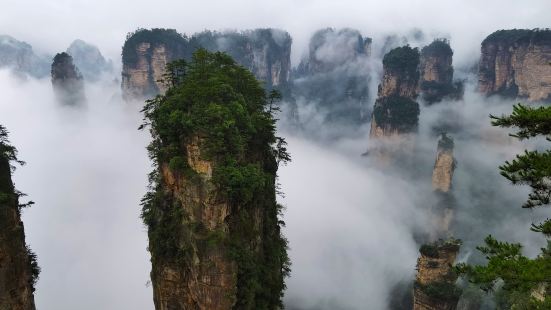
(436, 73)
(396, 112)
(516, 64)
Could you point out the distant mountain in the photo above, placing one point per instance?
(20, 57)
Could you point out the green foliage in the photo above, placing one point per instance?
(398, 112)
(533, 168)
(438, 47)
(213, 102)
(432, 249)
(519, 36)
(7, 151)
(402, 59)
(441, 290)
(174, 41)
(521, 276)
(33, 266)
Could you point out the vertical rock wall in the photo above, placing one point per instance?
(515, 64)
(16, 263)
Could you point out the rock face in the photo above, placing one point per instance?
(436, 80)
(434, 287)
(213, 227)
(335, 75)
(144, 56)
(67, 81)
(208, 280)
(515, 63)
(18, 269)
(444, 165)
(266, 52)
(89, 60)
(20, 57)
(396, 112)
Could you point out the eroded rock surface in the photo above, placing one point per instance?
(515, 63)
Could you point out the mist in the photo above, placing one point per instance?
(353, 226)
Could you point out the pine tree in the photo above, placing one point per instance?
(526, 282)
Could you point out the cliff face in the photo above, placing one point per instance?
(396, 112)
(335, 75)
(89, 60)
(515, 63)
(266, 52)
(18, 269)
(444, 165)
(436, 81)
(144, 57)
(214, 234)
(20, 57)
(435, 281)
(67, 81)
(208, 280)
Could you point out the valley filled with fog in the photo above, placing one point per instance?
(354, 224)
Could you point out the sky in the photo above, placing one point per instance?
(351, 225)
(52, 25)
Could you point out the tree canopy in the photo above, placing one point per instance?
(522, 278)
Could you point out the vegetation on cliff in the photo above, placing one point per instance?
(438, 47)
(9, 202)
(173, 40)
(397, 112)
(519, 36)
(521, 276)
(221, 103)
(404, 60)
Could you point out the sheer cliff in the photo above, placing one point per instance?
(515, 63)
(212, 217)
(335, 75)
(436, 73)
(396, 112)
(67, 80)
(18, 267)
(444, 165)
(266, 52)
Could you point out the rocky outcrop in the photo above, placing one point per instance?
(214, 234)
(436, 80)
(144, 56)
(20, 57)
(434, 287)
(396, 112)
(444, 165)
(516, 63)
(208, 280)
(266, 52)
(67, 81)
(89, 60)
(335, 75)
(18, 268)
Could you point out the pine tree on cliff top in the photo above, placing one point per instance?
(524, 279)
